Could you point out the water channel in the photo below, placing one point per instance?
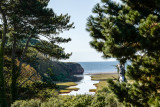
(84, 85)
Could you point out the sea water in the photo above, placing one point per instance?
(99, 67)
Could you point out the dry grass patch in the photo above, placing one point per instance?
(64, 91)
(68, 90)
(96, 84)
(101, 85)
(74, 89)
(66, 84)
(92, 90)
(103, 77)
(64, 87)
(103, 80)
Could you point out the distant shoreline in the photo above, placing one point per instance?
(101, 73)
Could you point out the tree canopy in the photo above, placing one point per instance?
(29, 25)
(130, 31)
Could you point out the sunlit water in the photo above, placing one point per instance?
(84, 85)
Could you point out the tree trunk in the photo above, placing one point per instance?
(118, 71)
(14, 71)
(23, 54)
(3, 101)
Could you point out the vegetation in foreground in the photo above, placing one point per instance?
(102, 98)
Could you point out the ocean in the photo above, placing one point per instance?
(98, 67)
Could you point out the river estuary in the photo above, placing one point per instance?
(84, 85)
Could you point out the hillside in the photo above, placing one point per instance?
(58, 71)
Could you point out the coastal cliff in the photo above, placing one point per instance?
(75, 68)
(58, 71)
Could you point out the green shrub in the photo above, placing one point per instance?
(30, 103)
(47, 93)
(154, 102)
(82, 101)
(42, 85)
(49, 98)
(53, 102)
(105, 98)
(40, 90)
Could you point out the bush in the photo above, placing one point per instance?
(103, 98)
(47, 93)
(42, 85)
(82, 101)
(40, 90)
(30, 103)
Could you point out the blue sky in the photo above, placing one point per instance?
(79, 10)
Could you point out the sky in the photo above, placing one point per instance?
(79, 10)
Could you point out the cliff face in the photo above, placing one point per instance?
(58, 71)
(75, 68)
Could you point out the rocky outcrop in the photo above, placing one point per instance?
(75, 68)
(58, 71)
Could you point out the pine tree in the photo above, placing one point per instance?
(28, 20)
(3, 100)
(130, 31)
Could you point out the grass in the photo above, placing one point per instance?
(64, 91)
(100, 85)
(104, 77)
(92, 90)
(64, 87)
(66, 84)
(75, 89)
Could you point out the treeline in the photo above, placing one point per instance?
(28, 30)
(130, 30)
